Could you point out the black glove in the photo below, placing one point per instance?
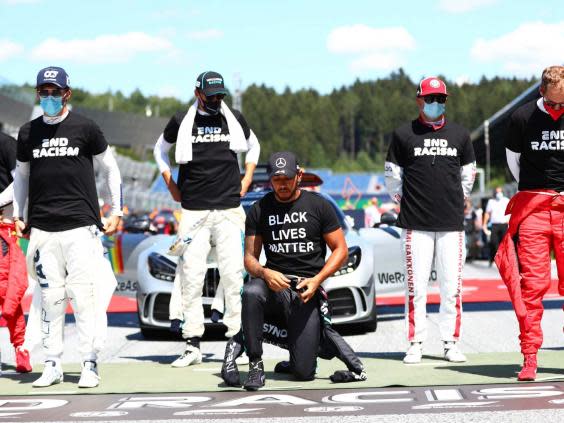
(176, 325)
(345, 376)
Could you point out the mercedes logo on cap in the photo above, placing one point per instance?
(280, 162)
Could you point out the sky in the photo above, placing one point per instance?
(161, 46)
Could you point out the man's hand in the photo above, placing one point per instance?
(171, 185)
(19, 226)
(245, 184)
(310, 285)
(111, 225)
(275, 280)
(174, 191)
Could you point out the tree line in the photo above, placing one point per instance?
(346, 130)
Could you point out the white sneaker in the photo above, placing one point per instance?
(453, 353)
(192, 355)
(52, 374)
(414, 353)
(89, 375)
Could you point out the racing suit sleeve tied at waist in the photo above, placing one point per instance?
(520, 206)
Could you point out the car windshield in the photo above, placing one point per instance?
(252, 197)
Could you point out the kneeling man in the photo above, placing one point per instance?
(295, 227)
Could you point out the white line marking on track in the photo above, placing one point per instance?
(431, 364)
(542, 379)
(276, 388)
(52, 392)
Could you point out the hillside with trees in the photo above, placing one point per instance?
(346, 130)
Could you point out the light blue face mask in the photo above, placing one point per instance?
(433, 110)
(52, 106)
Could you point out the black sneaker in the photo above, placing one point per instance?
(283, 367)
(229, 370)
(255, 378)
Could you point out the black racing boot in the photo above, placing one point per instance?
(229, 370)
(283, 367)
(255, 378)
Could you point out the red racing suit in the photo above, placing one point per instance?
(13, 283)
(523, 258)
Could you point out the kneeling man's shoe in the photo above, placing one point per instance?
(229, 369)
(256, 377)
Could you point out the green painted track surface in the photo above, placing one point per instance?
(383, 370)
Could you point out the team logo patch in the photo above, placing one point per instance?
(280, 162)
(50, 74)
(435, 83)
(214, 81)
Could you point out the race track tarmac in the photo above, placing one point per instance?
(488, 328)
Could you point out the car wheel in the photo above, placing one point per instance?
(372, 324)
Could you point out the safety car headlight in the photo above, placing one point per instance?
(161, 267)
(352, 262)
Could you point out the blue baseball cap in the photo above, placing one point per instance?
(53, 75)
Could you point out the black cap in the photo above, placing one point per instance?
(210, 83)
(283, 163)
(53, 75)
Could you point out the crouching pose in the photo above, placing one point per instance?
(295, 227)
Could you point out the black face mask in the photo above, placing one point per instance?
(212, 107)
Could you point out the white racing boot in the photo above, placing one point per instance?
(192, 355)
(453, 353)
(89, 375)
(414, 353)
(52, 374)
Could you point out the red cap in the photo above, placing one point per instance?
(431, 85)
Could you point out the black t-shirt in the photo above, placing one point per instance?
(432, 199)
(62, 188)
(211, 180)
(292, 233)
(7, 160)
(540, 140)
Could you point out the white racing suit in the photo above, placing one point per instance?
(70, 265)
(447, 250)
(197, 229)
(420, 249)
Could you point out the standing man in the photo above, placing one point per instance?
(430, 169)
(54, 169)
(208, 137)
(495, 213)
(13, 275)
(535, 155)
